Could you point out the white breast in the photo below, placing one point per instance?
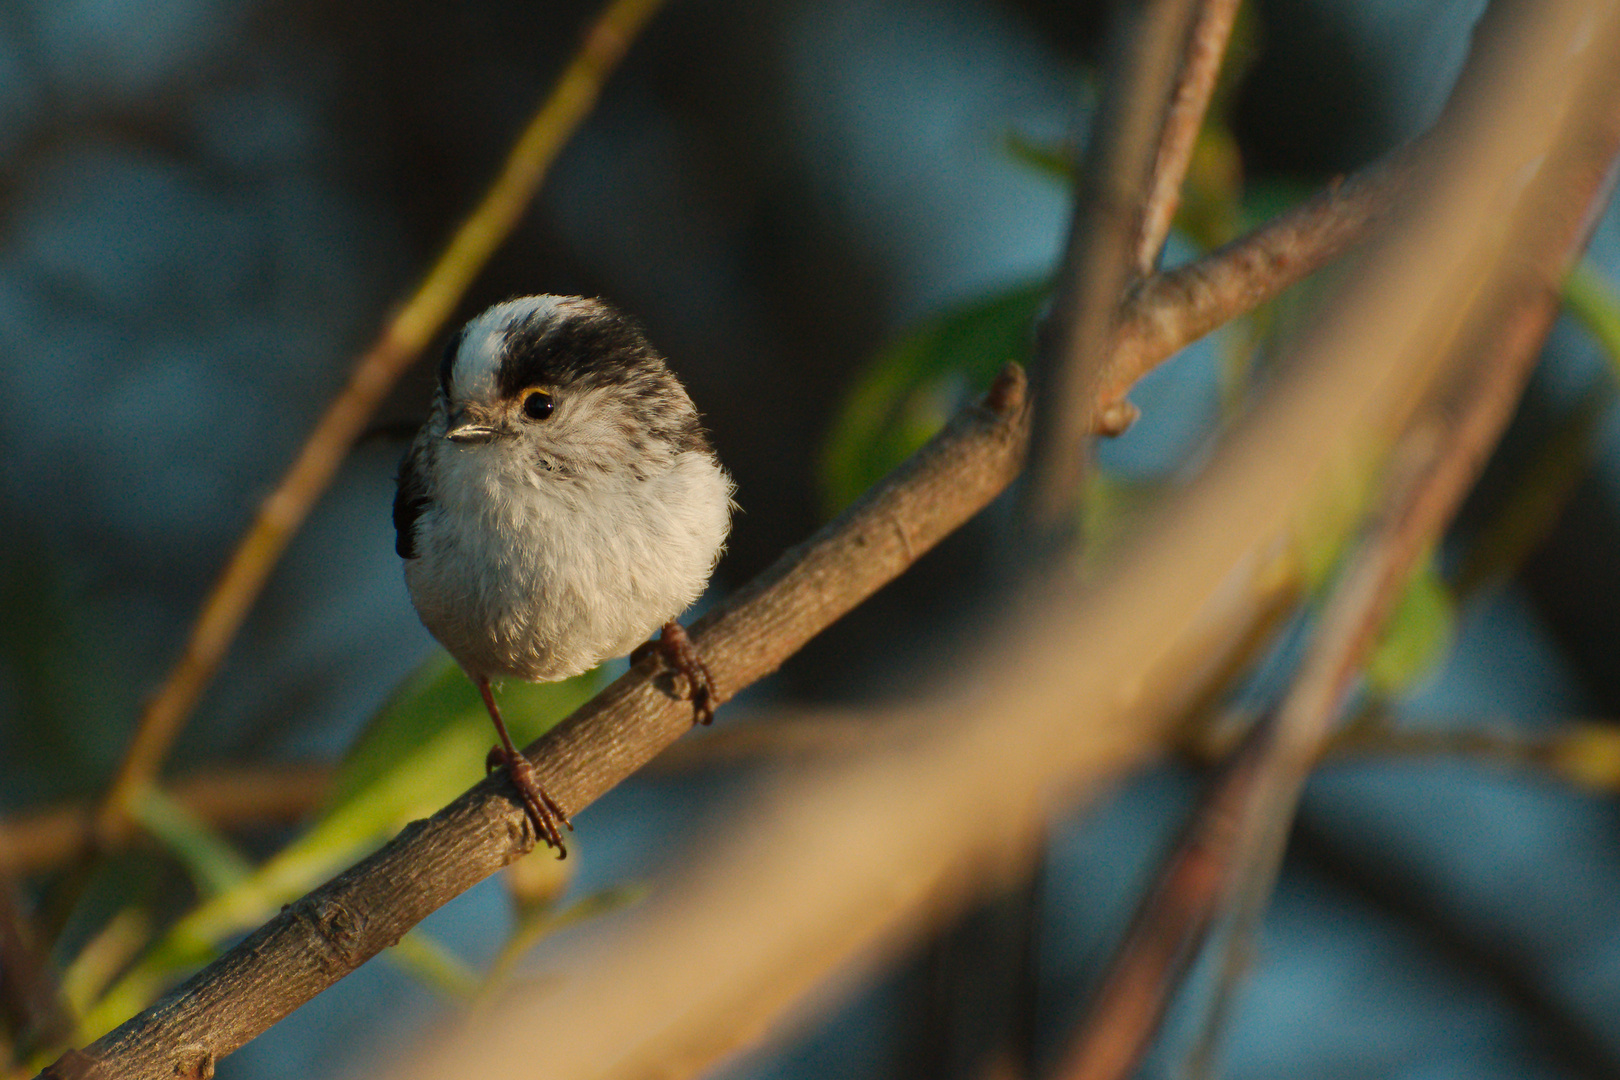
(541, 577)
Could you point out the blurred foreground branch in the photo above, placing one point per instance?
(225, 798)
(1229, 860)
(859, 855)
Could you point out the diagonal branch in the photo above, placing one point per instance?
(1232, 852)
(1222, 542)
(335, 929)
(1195, 84)
(852, 859)
(374, 374)
(1099, 261)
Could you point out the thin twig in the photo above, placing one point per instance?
(225, 798)
(1205, 48)
(401, 340)
(1099, 261)
(1160, 78)
(1234, 848)
(30, 1000)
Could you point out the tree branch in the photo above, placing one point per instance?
(1233, 849)
(1169, 609)
(1195, 83)
(1174, 308)
(848, 860)
(374, 374)
(339, 926)
(1099, 261)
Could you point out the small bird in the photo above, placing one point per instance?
(560, 504)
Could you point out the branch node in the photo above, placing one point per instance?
(1115, 418)
(337, 927)
(1010, 391)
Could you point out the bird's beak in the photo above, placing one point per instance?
(471, 433)
(469, 430)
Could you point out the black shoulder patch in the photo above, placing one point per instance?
(593, 348)
(410, 499)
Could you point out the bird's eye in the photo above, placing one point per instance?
(537, 405)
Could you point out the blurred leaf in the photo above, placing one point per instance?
(214, 865)
(421, 955)
(62, 662)
(1331, 518)
(912, 386)
(1419, 632)
(1595, 302)
(535, 884)
(104, 956)
(1587, 755)
(1211, 208)
(1110, 507)
(1055, 162)
(532, 928)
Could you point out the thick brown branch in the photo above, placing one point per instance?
(327, 934)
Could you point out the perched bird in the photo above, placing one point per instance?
(560, 504)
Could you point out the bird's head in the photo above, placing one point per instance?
(563, 385)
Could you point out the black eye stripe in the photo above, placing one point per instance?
(598, 347)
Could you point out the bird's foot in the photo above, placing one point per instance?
(679, 653)
(544, 813)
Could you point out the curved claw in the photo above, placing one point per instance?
(543, 811)
(677, 650)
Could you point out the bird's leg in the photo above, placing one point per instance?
(542, 810)
(679, 653)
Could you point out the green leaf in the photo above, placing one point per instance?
(1595, 302)
(1054, 162)
(425, 957)
(212, 861)
(1419, 632)
(912, 386)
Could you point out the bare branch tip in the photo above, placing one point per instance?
(1010, 391)
(1116, 417)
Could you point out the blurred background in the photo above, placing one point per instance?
(208, 207)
